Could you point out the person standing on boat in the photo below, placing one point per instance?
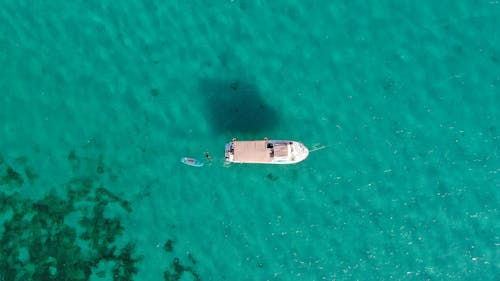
(231, 148)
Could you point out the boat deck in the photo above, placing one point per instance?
(251, 151)
(265, 152)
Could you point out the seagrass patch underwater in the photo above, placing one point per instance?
(69, 234)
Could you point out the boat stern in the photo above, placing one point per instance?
(229, 154)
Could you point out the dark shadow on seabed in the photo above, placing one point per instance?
(237, 107)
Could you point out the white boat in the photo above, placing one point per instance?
(266, 151)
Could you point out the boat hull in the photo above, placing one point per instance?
(279, 152)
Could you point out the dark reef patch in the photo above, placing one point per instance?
(169, 246)
(37, 242)
(178, 271)
(18, 176)
(272, 177)
(236, 106)
(74, 161)
(11, 177)
(30, 174)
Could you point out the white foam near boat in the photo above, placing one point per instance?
(266, 152)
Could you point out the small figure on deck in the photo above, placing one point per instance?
(231, 147)
(266, 142)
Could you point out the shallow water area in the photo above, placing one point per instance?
(100, 100)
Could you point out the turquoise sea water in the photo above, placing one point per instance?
(99, 101)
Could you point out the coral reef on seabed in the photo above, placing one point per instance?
(176, 270)
(69, 234)
(39, 242)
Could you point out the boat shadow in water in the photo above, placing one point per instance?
(237, 106)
